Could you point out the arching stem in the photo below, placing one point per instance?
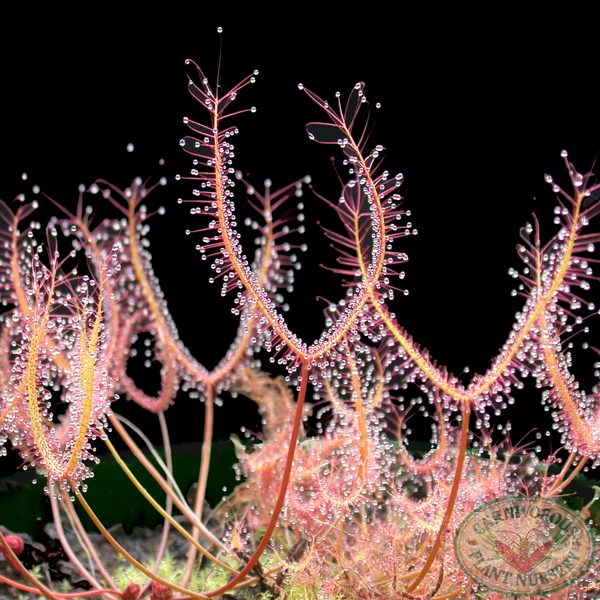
(460, 461)
(202, 480)
(285, 479)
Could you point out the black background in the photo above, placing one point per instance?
(476, 107)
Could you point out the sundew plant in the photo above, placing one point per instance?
(342, 511)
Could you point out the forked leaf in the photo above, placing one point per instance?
(198, 127)
(353, 105)
(389, 185)
(318, 100)
(198, 94)
(225, 133)
(224, 103)
(325, 133)
(196, 147)
(351, 153)
(376, 155)
(6, 214)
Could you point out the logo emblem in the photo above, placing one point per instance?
(524, 546)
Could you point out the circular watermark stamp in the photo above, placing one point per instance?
(524, 546)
